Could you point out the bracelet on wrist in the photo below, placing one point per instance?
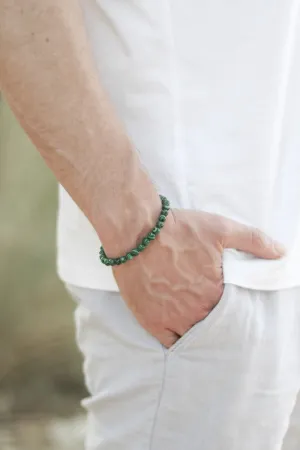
(145, 241)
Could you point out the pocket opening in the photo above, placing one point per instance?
(200, 329)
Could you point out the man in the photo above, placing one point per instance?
(191, 340)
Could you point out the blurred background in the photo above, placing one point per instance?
(40, 367)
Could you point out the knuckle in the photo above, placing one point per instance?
(224, 227)
(258, 238)
(225, 230)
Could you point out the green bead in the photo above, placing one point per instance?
(165, 207)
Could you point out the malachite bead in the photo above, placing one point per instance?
(145, 242)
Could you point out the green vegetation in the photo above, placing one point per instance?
(40, 367)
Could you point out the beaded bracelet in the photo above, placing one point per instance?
(145, 242)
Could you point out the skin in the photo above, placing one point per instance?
(49, 78)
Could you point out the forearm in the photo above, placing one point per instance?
(48, 76)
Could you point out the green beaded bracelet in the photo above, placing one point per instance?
(145, 242)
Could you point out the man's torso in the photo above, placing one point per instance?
(209, 94)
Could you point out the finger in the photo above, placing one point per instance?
(251, 240)
(167, 338)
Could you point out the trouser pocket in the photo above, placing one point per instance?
(232, 385)
(202, 330)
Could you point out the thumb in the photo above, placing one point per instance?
(252, 240)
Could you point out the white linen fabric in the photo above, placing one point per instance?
(231, 383)
(209, 93)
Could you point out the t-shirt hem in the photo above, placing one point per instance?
(235, 274)
(77, 277)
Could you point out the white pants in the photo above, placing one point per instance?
(231, 383)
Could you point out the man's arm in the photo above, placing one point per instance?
(48, 76)
(49, 79)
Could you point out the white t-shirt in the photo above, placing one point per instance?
(209, 91)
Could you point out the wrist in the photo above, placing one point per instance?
(143, 242)
(125, 222)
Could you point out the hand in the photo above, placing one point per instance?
(177, 280)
